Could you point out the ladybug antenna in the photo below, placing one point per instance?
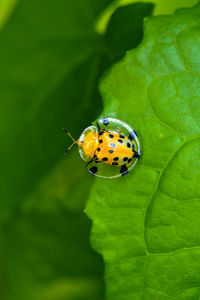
(74, 141)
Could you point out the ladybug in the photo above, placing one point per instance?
(111, 148)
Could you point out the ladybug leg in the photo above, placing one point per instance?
(99, 129)
(136, 154)
(124, 170)
(93, 169)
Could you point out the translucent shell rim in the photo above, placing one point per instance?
(87, 130)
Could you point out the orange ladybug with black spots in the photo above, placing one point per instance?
(101, 145)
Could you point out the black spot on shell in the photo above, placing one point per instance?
(95, 157)
(129, 160)
(111, 136)
(128, 145)
(120, 141)
(125, 158)
(100, 141)
(122, 136)
(98, 149)
(116, 158)
(104, 159)
(111, 151)
(115, 164)
(93, 170)
(101, 132)
(123, 170)
(113, 145)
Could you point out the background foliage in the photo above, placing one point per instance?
(51, 58)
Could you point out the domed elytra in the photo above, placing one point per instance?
(88, 143)
(113, 144)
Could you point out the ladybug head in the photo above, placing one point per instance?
(88, 143)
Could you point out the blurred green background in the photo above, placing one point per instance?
(52, 55)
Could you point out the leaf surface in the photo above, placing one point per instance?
(33, 82)
(48, 82)
(146, 224)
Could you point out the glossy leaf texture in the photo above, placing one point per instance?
(146, 224)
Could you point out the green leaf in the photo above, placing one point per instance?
(37, 248)
(48, 82)
(124, 30)
(45, 251)
(6, 9)
(51, 58)
(146, 224)
(44, 49)
(161, 8)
